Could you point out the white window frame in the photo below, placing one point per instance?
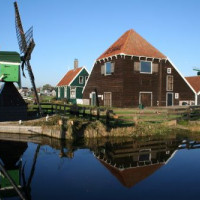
(172, 83)
(106, 68)
(176, 95)
(145, 93)
(81, 82)
(58, 92)
(65, 92)
(72, 88)
(172, 98)
(141, 67)
(169, 70)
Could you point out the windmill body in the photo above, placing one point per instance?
(12, 105)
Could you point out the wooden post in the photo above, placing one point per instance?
(83, 111)
(90, 114)
(107, 117)
(51, 108)
(98, 113)
(56, 109)
(64, 111)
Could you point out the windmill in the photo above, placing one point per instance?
(26, 46)
(197, 69)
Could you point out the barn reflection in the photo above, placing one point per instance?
(133, 161)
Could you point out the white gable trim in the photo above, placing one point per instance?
(89, 76)
(76, 76)
(123, 54)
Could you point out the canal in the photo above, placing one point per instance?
(166, 167)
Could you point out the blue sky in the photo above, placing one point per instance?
(84, 29)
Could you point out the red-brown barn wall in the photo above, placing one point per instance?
(126, 83)
(180, 86)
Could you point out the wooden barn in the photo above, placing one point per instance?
(194, 81)
(132, 72)
(71, 85)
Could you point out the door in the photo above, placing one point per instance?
(108, 99)
(93, 99)
(169, 99)
(146, 98)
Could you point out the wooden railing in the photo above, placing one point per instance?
(66, 109)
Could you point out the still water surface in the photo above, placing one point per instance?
(147, 168)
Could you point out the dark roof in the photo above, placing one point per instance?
(131, 43)
(69, 76)
(194, 81)
(9, 56)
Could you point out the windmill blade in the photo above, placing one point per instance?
(19, 30)
(30, 72)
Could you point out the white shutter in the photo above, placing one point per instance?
(112, 67)
(103, 69)
(154, 67)
(136, 66)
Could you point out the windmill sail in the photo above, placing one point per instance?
(26, 46)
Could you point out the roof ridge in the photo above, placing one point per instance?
(128, 36)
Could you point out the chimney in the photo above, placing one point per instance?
(75, 63)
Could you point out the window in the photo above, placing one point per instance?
(73, 92)
(80, 79)
(170, 83)
(86, 78)
(145, 67)
(108, 68)
(65, 92)
(58, 92)
(176, 95)
(169, 70)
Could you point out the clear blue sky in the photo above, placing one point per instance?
(84, 29)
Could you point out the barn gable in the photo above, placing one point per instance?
(133, 72)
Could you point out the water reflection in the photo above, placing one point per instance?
(10, 155)
(129, 161)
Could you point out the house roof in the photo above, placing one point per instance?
(69, 76)
(131, 176)
(9, 56)
(194, 81)
(131, 43)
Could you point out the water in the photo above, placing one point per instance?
(145, 168)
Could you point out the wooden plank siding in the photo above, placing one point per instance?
(127, 82)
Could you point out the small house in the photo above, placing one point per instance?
(70, 87)
(194, 81)
(132, 72)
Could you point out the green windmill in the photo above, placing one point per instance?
(198, 70)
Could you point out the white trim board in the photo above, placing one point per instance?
(9, 63)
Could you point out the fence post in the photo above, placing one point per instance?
(56, 109)
(98, 113)
(90, 114)
(107, 117)
(51, 108)
(83, 111)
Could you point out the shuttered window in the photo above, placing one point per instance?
(73, 92)
(108, 68)
(145, 67)
(170, 83)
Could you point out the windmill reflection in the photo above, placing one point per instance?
(133, 161)
(11, 168)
